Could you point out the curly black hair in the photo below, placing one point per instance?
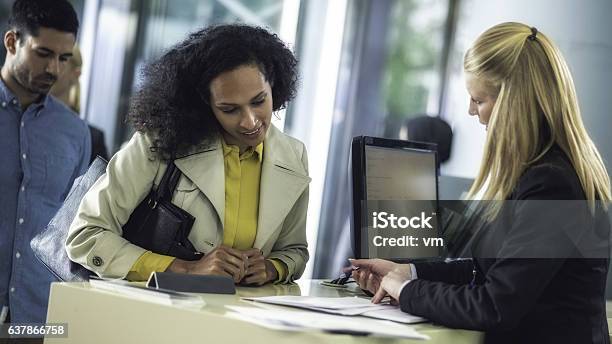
(173, 103)
(28, 16)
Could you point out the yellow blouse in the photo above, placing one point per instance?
(242, 175)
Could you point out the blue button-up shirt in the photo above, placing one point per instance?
(42, 149)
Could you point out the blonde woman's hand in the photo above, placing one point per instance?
(392, 283)
(379, 267)
(223, 261)
(368, 273)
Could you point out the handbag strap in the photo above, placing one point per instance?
(168, 182)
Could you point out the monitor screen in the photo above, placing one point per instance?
(395, 188)
(400, 174)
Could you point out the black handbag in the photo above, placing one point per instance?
(160, 226)
(156, 225)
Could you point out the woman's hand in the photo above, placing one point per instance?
(223, 261)
(391, 284)
(259, 270)
(368, 273)
(380, 267)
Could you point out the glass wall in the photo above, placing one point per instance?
(413, 67)
(393, 68)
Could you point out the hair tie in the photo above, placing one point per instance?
(534, 32)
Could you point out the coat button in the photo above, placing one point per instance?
(97, 261)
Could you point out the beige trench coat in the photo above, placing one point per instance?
(95, 241)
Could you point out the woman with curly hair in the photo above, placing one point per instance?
(206, 105)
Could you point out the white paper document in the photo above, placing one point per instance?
(166, 297)
(349, 306)
(338, 303)
(394, 313)
(296, 320)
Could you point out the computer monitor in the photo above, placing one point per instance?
(395, 195)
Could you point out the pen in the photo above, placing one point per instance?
(473, 281)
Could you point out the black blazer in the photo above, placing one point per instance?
(98, 147)
(520, 300)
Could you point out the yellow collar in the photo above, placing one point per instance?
(227, 149)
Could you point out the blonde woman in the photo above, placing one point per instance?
(537, 149)
(67, 89)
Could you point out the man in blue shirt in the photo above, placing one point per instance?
(43, 148)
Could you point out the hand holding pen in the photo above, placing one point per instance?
(369, 274)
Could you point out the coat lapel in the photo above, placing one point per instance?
(283, 180)
(206, 170)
